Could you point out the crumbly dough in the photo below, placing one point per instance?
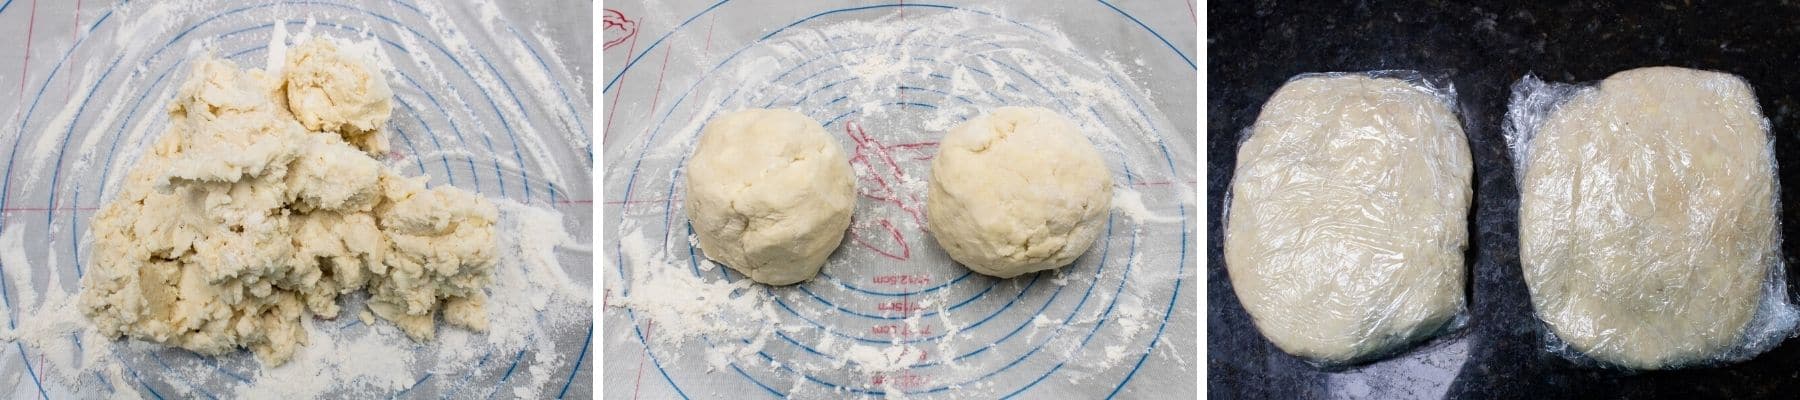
(1647, 217)
(225, 127)
(769, 194)
(339, 90)
(243, 220)
(1016, 191)
(1348, 217)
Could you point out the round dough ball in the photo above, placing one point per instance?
(1348, 217)
(769, 194)
(1016, 191)
(1647, 217)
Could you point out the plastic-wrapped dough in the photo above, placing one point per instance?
(1647, 217)
(1348, 219)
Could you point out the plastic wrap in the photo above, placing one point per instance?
(1648, 228)
(1348, 219)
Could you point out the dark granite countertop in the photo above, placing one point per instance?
(1254, 46)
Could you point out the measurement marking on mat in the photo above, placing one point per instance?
(901, 380)
(902, 280)
(903, 307)
(899, 330)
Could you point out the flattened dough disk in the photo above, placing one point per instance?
(1349, 217)
(1646, 223)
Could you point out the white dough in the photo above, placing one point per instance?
(1016, 191)
(1348, 217)
(333, 176)
(769, 194)
(224, 127)
(1646, 223)
(241, 222)
(334, 87)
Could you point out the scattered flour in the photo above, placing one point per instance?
(1131, 202)
(685, 307)
(380, 365)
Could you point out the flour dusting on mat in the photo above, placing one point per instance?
(1131, 202)
(687, 306)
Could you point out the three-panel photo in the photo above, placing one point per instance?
(677, 199)
(855, 199)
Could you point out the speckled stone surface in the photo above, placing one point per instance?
(1254, 46)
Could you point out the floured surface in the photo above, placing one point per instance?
(890, 313)
(480, 102)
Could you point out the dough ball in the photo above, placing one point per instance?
(333, 89)
(1016, 191)
(1348, 217)
(769, 194)
(1647, 217)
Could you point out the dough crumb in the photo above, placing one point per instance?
(261, 204)
(336, 87)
